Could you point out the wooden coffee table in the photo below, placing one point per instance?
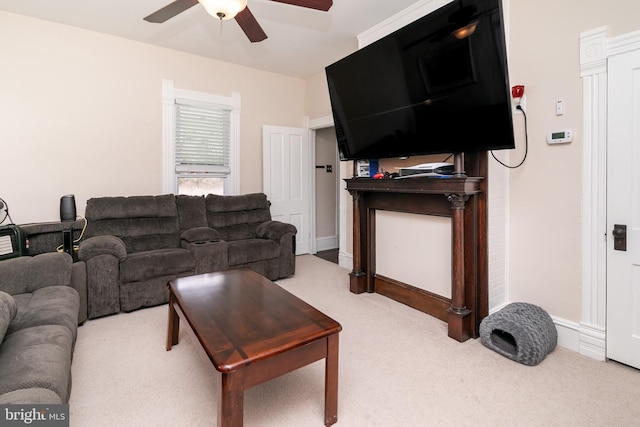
(253, 331)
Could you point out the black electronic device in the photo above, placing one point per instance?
(13, 242)
(67, 241)
(427, 169)
(438, 85)
(68, 208)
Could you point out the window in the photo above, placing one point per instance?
(200, 142)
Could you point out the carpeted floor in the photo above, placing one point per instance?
(397, 368)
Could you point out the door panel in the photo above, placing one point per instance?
(623, 208)
(286, 179)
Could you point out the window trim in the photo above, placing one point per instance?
(169, 95)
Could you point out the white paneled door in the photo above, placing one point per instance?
(623, 209)
(286, 179)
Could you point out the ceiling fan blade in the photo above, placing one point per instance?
(170, 10)
(311, 4)
(250, 26)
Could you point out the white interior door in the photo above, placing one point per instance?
(623, 208)
(287, 179)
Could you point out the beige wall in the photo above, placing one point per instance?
(544, 255)
(81, 113)
(317, 103)
(545, 194)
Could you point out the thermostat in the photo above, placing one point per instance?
(560, 137)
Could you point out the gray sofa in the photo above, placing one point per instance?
(41, 305)
(134, 245)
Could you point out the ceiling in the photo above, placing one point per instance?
(301, 41)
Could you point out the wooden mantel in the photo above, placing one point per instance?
(463, 199)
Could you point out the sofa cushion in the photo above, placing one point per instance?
(142, 222)
(151, 292)
(53, 305)
(26, 274)
(8, 310)
(102, 208)
(200, 235)
(191, 211)
(237, 217)
(38, 357)
(251, 250)
(145, 265)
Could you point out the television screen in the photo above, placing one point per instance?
(438, 85)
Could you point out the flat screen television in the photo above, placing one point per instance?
(437, 85)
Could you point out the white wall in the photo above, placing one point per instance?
(81, 113)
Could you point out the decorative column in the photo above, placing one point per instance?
(358, 277)
(458, 315)
(593, 70)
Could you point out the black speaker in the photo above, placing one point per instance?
(68, 208)
(67, 241)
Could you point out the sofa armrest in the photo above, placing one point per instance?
(210, 253)
(285, 235)
(102, 245)
(199, 235)
(79, 283)
(274, 230)
(102, 255)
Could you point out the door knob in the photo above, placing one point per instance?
(619, 237)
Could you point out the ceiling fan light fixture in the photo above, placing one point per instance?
(466, 31)
(224, 9)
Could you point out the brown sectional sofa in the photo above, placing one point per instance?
(134, 245)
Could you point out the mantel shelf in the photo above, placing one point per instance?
(465, 186)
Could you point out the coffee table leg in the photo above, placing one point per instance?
(231, 399)
(174, 324)
(331, 381)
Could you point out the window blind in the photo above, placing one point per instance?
(202, 138)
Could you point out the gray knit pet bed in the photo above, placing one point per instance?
(520, 331)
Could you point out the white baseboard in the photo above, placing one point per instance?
(345, 260)
(326, 243)
(592, 342)
(568, 333)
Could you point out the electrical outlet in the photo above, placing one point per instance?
(523, 104)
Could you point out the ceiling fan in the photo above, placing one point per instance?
(228, 9)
